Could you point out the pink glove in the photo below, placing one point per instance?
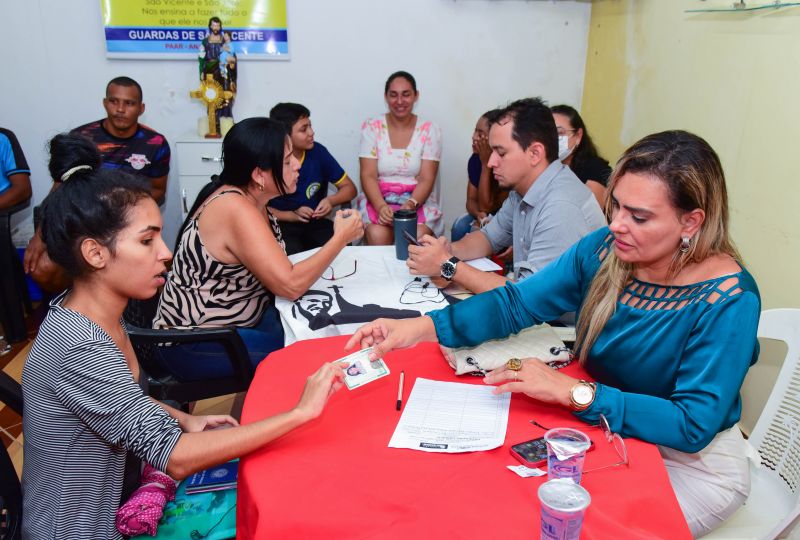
(142, 512)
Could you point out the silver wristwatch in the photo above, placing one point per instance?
(448, 269)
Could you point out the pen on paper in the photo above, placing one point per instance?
(400, 390)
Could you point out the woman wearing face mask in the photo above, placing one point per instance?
(399, 159)
(576, 149)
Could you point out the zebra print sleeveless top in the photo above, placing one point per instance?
(203, 292)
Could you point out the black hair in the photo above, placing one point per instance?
(404, 74)
(492, 115)
(586, 149)
(533, 122)
(90, 203)
(252, 143)
(288, 114)
(214, 20)
(125, 81)
(67, 151)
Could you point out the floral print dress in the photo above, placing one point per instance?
(398, 168)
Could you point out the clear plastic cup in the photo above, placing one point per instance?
(566, 452)
(563, 504)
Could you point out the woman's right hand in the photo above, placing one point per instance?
(348, 225)
(386, 215)
(484, 150)
(385, 335)
(320, 386)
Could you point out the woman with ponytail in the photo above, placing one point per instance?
(667, 320)
(84, 409)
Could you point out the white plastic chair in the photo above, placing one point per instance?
(774, 502)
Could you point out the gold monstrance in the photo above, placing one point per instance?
(215, 98)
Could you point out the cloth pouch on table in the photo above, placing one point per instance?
(211, 514)
(539, 341)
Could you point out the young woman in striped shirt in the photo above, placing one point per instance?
(83, 406)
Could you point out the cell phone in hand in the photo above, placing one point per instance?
(533, 453)
(411, 239)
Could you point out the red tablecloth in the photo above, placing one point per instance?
(336, 478)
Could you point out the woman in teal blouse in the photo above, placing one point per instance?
(667, 322)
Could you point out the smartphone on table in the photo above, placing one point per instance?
(533, 453)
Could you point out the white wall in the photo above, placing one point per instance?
(467, 56)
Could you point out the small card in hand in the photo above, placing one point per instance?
(358, 370)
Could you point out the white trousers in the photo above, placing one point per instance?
(713, 483)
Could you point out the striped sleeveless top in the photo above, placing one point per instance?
(204, 292)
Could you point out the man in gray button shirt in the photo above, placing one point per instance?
(547, 211)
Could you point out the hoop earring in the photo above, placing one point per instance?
(686, 243)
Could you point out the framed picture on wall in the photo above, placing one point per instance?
(176, 29)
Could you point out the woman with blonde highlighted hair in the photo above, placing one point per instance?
(666, 326)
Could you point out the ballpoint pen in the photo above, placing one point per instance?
(400, 390)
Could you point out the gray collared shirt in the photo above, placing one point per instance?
(556, 212)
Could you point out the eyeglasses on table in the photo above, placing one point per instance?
(333, 276)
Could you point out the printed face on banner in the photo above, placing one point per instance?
(317, 306)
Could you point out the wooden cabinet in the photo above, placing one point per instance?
(198, 159)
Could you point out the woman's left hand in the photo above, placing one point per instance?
(194, 424)
(534, 379)
(408, 205)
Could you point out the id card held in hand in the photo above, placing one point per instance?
(358, 370)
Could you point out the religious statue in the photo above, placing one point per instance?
(227, 63)
(215, 98)
(218, 69)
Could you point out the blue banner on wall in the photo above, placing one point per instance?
(176, 28)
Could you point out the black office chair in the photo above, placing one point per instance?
(10, 490)
(166, 385)
(10, 393)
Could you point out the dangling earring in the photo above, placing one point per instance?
(260, 186)
(686, 243)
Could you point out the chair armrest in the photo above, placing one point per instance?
(230, 340)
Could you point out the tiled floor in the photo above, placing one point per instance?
(11, 422)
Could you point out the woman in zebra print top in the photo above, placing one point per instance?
(230, 261)
(83, 406)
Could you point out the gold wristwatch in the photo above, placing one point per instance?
(581, 395)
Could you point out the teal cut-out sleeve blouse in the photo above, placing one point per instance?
(669, 363)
